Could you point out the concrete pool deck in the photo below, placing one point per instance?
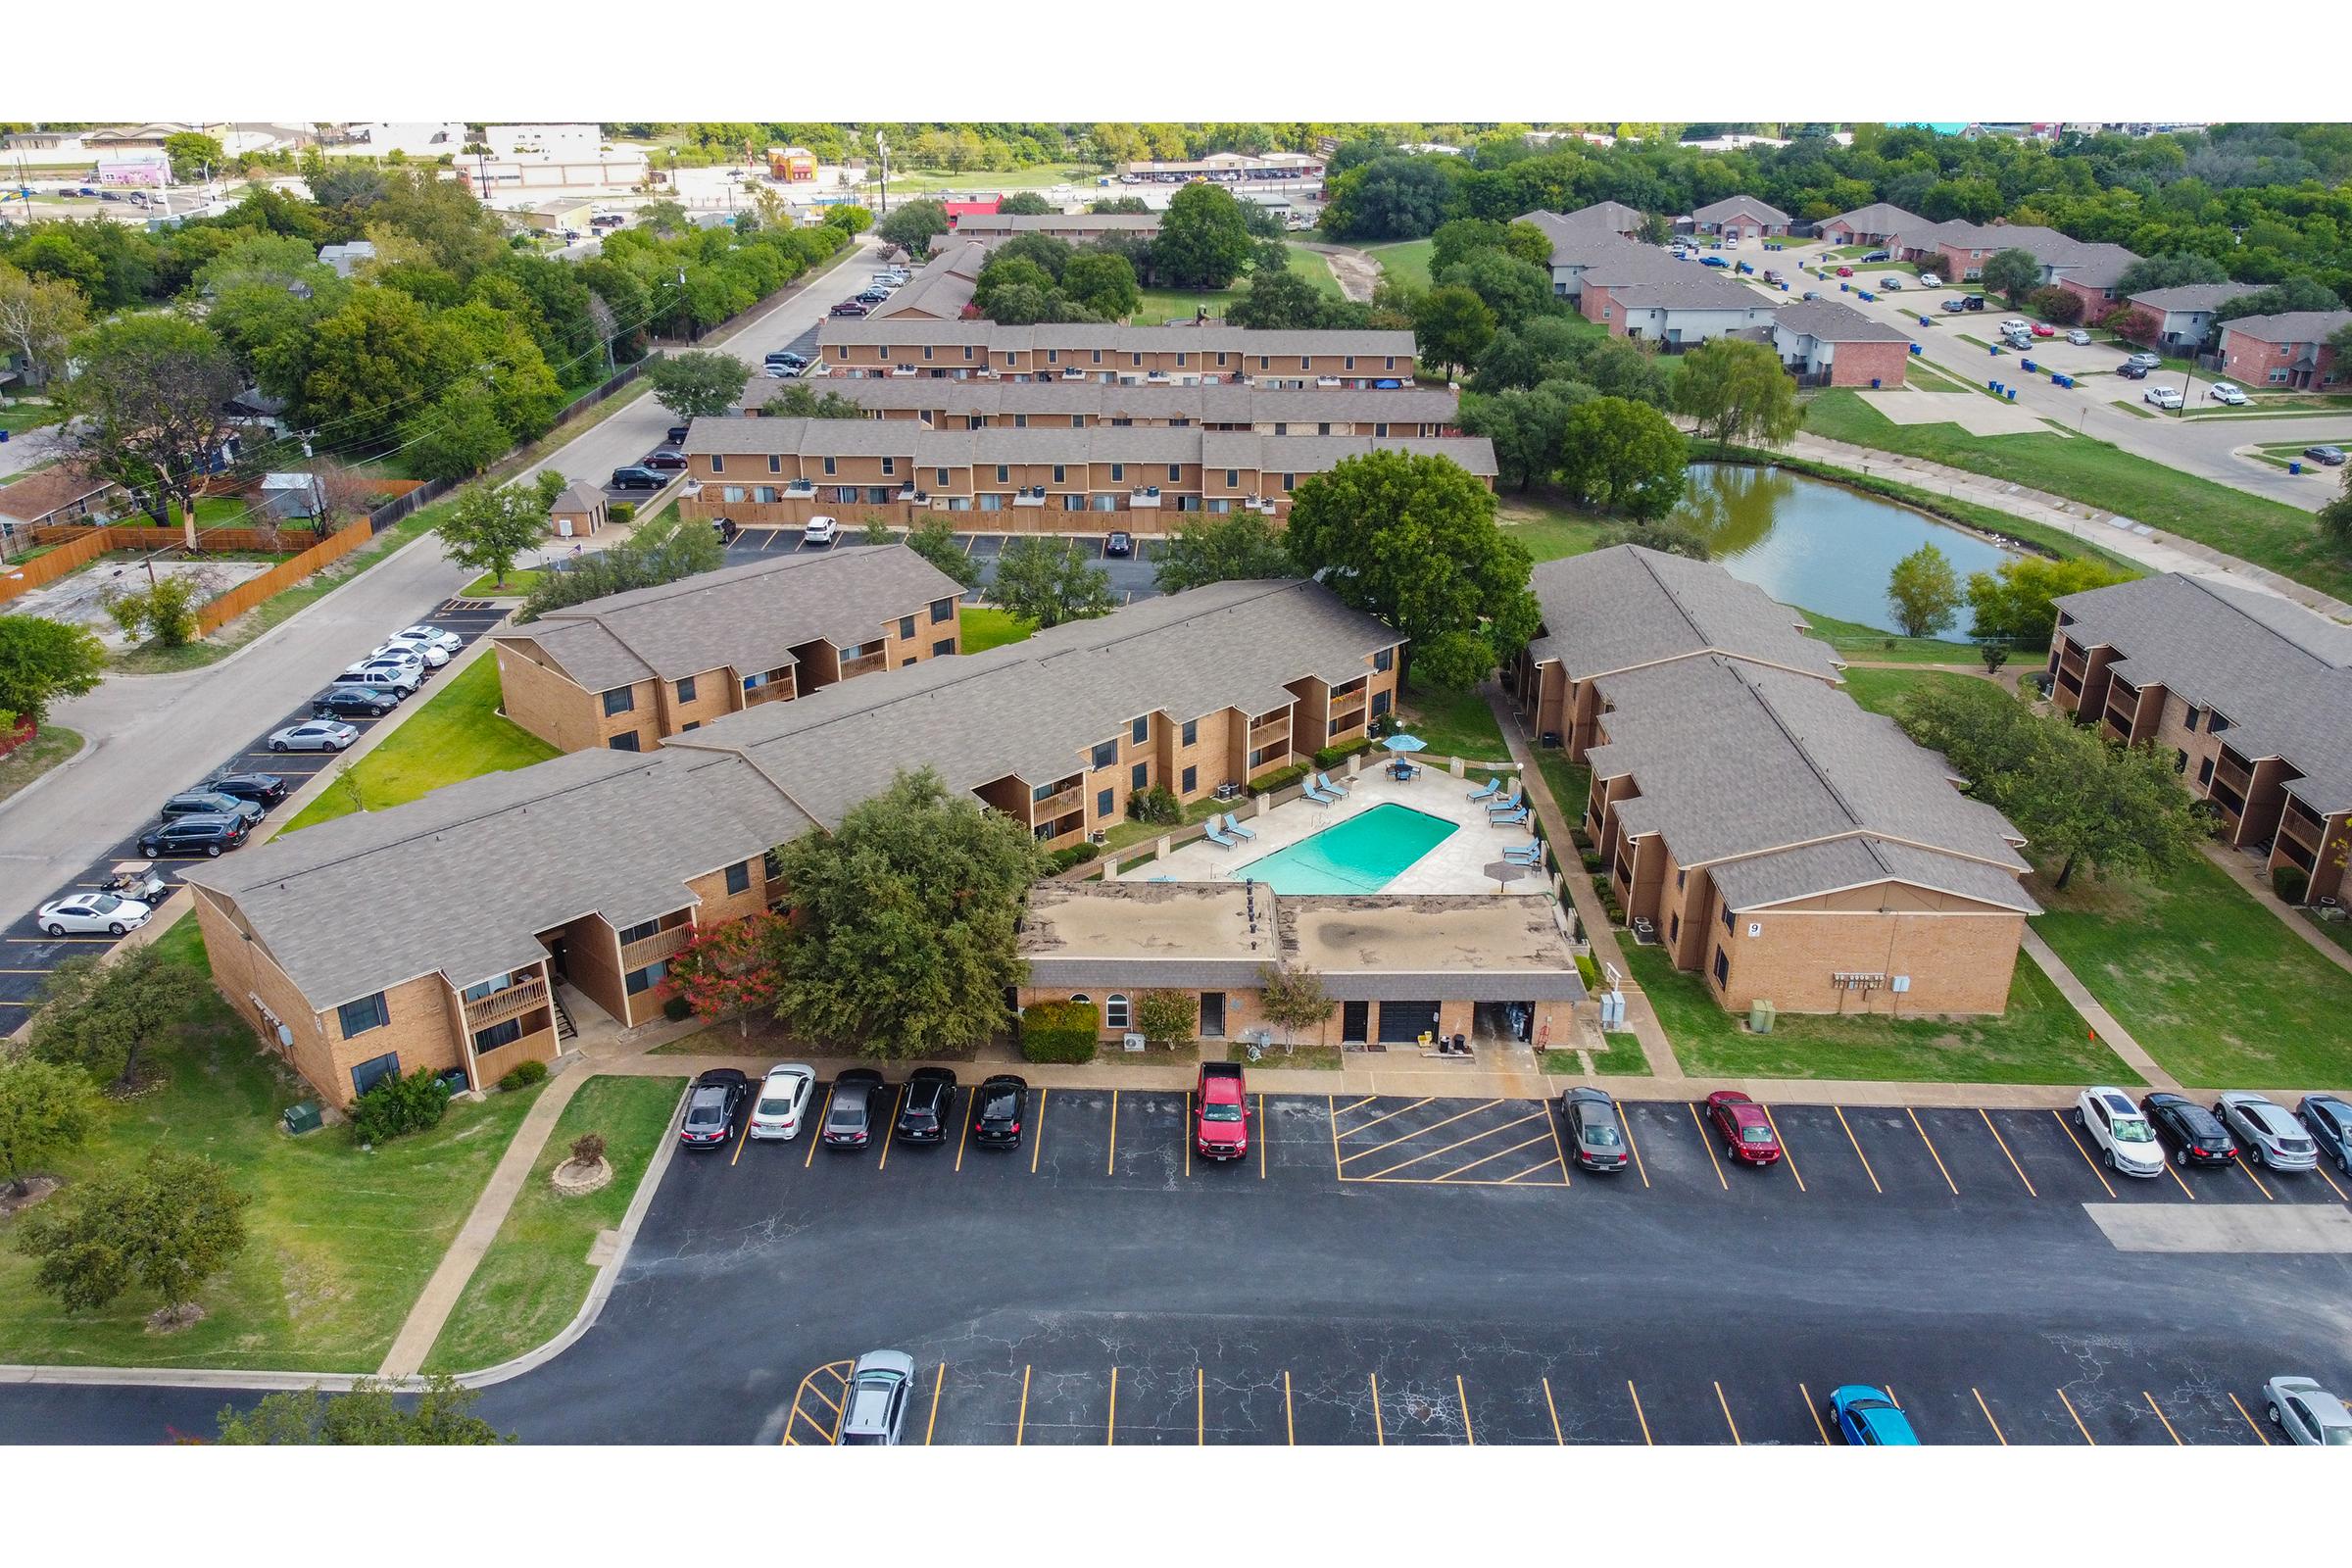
(1457, 864)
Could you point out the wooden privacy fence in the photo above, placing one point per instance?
(219, 611)
(23, 576)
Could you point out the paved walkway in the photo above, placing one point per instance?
(2243, 872)
(2111, 1034)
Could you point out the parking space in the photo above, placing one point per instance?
(1495, 1143)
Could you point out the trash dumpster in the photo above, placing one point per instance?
(303, 1118)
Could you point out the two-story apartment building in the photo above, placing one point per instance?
(775, 472)
(2184, 315)
(1652, 297)
(2290, 350)
(1585, 239)
(628, 671)
(2249, 694)
(1080, 351)
(1826, 343)
(942, 290)
(975, 404)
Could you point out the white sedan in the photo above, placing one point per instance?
(433, 655)
(448, 641)
(2164, 397)
(93, 911)
(783, 1100)
(2126, 1141)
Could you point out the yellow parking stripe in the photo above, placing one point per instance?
(1988, 1420)
(2161, 1416)
(1456, 1144)
(1290, 1428)
(1333, 1115)
(1110, 1161)
(2079, 1426)
(1530, 1171)
(1037, 1134)
(1814, 1411)
(1626, 1124)
(888, 1131)
(1469, 1437)
(1727, 1415)
(2177, 1182)
(1635, 1396)
(1110, 1432)
(1858, 1155)
(1261, 1137)
(1380, 1435)
(1488, 1158)
(818, 1137)
(1188, 1130)
(1931, 1153)
(963, 1134)
(2011, 1159)
(2103, 1180)
(1020, 1425)
(1554, 1411)
(2263, 1435)
(2320, 1171)
(1551, 1123)
(1706, 1141)
(1344, 1109)
(1430, 1128)
(745, 1136)
(1787, 1157)
(1377, 1120)
(939, 1381)
(2256, 1180)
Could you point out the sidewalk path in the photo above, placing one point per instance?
(2241, 871)
(2113, 1035)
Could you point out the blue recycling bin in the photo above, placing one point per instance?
(1926, 320)
(1915, 351)
(1874, 383)
(2026, 366)
(1992, 348)
(1845, 288)
(2012, 394)
(2294, 468)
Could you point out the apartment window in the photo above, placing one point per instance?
(1118, 473)
(358, 1018)
(1680, 878)
(1334, 728)
(1102, 804)
(2205, 771)
(906, 628)
(645, 979)
(640, 931)
(738, 877)
(1115, 1011)
(1305, 364)
(624, 742)
(941, 609)
(1192, 731)
(1105, 754)
(2179, 762)
(1288, 481)
(1009, 359)
(1264, 364)
(1380, 431)
(1674, 929)
(718, 463)
(946, 645)
(1220, 506)
(497, 1035)
(831, 467)
(1061, 473)
(1139, 776)
(775, 464)
(1075, 502)
(367, 1074)
(1004, 474)
(1392, 365)
(1233, 478)
(691, 724)
(890, 466)
(939, 477)
(620, 700)
(1052, 355)
(1020, 422)
(1133, 359)
(1723, 968)
(1384, 660)
(1220, 360)
(1727, 917)
(1380, 704)
(1175, 471)
(926, 351)
(2215, 723)
(1349, 362)
(734, 492)
(1140, 730)
(764, 494)
(1077, 421)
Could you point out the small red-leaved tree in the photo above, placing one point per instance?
(728, 970)
(2130, 323)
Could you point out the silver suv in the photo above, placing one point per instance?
(874, 1409)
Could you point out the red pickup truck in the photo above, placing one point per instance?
(1221, 1112)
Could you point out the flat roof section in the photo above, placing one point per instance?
(1484, 946)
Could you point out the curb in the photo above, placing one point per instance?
(87, 746)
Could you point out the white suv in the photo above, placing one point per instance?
(2123, 1136)
(2226, 392)
(821, 531)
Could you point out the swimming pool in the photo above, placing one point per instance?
(1362, 854)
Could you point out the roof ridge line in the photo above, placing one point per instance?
(1803, 751)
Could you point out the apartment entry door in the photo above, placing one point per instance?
(1212, 1014)
(1355, 1023)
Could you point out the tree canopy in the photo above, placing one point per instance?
(1239, 547)
(1047, 581)
(1204, 242)
(1737, 392)
(2014, 604)
(489, 526)
(376, 1413)
(42, 661)
(1623, 456)
(1924, 591)
(697, 384)
(165, 1225)
(101, 1015)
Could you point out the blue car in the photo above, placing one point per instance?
(1866, 1418)
(1713, 261)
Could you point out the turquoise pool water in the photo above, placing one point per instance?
(1362, 854)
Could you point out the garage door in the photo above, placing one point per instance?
(1403, 1022)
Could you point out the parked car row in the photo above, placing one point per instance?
(877, 291)
(858, 1107)
(2136, 1140)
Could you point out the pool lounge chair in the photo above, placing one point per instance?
(1494, 809)
(1513, 818)
(1311, 791)
(1491, 788)
(1217, 836)
(1530, 854)
(1234, 828)
(1335, 790)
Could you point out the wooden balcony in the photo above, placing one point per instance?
(864, 665)
(493, 1065)
(1348, 715)
(1271, 729)
(2234, 774)
(651, 950)
(1056, 805)
(499, 1006)
(774, 691)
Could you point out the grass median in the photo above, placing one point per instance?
(458, 734)
(48, 748)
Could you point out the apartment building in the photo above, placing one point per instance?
(2290, 350)
(1078, 228)
(1826, 343)
(628, 671)
(975, 404)
(1585, 239)
(777, 472)
(1628, 607)
(1080, 351)
(1878, 224)
(1737, 218)
(1652, 297)
(1957, 250)
(1394, 963)
(2183, 315)
(2250, 694)
(437, 934)
(942, 290)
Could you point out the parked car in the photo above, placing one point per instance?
(2309, 1415)
(1747, 1131)
(2079, 338)
(2131, 372)
(205, 834)
(784, 357)
(710, 1119)
(397, 680)
(2266, 1132)
(1596, 1129)
(678, 434)
(91, 912)
(2332, 457)
(850, 308)
(2146, 360)
(1119, 542)
(264, 790)
(1811, 294)
(431, 655)
(850, 1113)
(1890, 285)
(1867, 1418)
(1842, 271)
(1876, 256)
(664, 461)
(1717, 261)
(2193, 1134)
(347, 702)
(449, 642)
(1221, 1112)
(924, 1107)
(780, 370)
(637, 476)
(2015, 324)
(1954, 307)
(999, 1107)
(2164, 397)
(783, 1100)
(2124, 1139)
(2044, 329)
(2329, 1120)
(877, 295)
(210, 802)
(2229, 392)
(821, 531)
(874, 1409)
(1930, 280)
(318, 735)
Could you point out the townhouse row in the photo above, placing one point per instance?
(1229, 408)
(1078, 350)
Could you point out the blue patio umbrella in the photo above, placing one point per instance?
(1405, 743)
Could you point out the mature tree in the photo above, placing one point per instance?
(1026, 204)
(914, 227)
(1528, 426)
(2012, 273)
(849, 218)
(376, 1413)
(1293, 999)
(1736, 392)
(1412, 541)
(1454, 327)
(358, 370)
(192, 153)
(1516, 291)
(1666, 534)
(149, 391)
(726, 972)
(42, 661)
(698, 385)
(2279, 299)
(167, 1225)
(457, 435)
(38, 317)
(1203, 240)
(1620, 368)
(1133, 205)
(1048, 581)
(2172, 270)
(440, 219)
(1528, 244)
(1283, 301)
(1456, 240)
(1104, 284)
(488, 528)
(2014, 604)
(934, 539)
(1389, 198)
(798, 400)
(665, 550)
(2058, 306)
(1924, 591)
(876, 532)
(1167, 1018)
(46, 1109)
(1623, 457)
(903, 942)
(1241, 547)
(101, 1015)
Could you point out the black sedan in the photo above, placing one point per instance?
(1120, 542)
(2193, 1135)
(2330, 1123)
(850, 1114)
(999, 1107)
(710, 1119)
(352, 702)
(923, 1112)
(676, 436)
(2131, 372)
(264, 790)
(664, 461)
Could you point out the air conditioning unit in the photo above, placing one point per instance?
(1131, 1040)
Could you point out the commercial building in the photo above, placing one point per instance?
(975, 404)
(1079, 229)
(554, 157)
(1826, 343)
(2183, 315)
(1739, 218)
(2249, 694)
(1393, 964)
(2291, 351)
(1078, 350)
(794, 166)
(1237, 167)
(554, 215)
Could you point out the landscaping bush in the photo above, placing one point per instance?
(622, 512)
(522, 1075)
(1282, 778)
(1060, 1031)
(1331, 757)
(677, 1009)
(588, 1149)
(1587, 971)
(1591, 860)
(1062, 859)
(2056, 306)
(2289, 883)
(397, 1105)
(1159, 804)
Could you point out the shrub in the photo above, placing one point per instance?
(1159, 804)
(522, 1075)
(588, 1149)
(2056, 306)
(1063, 859)
(622, 512)
(1282, 778)
(1587, 971)
(1060, 1031)
(1331, 757)
(677, 1009)
(397, 1106)
(1591, 860)
(2289, 883)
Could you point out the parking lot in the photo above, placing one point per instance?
(1100, 1285)
(1130, 575)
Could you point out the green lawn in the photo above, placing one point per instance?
(37, 755)
(1454, 723)
(458, 734)
(1625, 1058)
(1311, 266)
(2268, 533)
(341, 1240)
(1857, 641)
(2212, 983)
(1129, 831)
(1546, 524)
(518, 585)
(1320, 1059)
(17, 418)
(219, 512)
(1883, 691)
(536, 1273)
(1571, 787)
(984, 627)
(2039, 1039)
(1178, 303)
(1404, 260)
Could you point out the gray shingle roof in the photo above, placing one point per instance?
(2094, 262)
(1879, 217)
(1739, 206)
(2193, 296)
(1829, 321)
(1074, 336)
(1804, 789)
(578, 500)
(1588, 234)
(1230, 403)
(2280, 674)
(1056, 222)
(1627, 606)
(1689, 287)
(2290, 327)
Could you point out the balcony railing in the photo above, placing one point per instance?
(648, 950)
(1054, 805)
(1348, 715)
(483, 1011)
(774, 691)
(864, 665)
(1269, 729)
(2231, 774)
(494, 1064)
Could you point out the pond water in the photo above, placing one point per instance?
(1815, 545)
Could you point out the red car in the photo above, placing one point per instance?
(2044, 329)
(1845, 271)
(1747, 1131)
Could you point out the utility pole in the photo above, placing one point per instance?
(882, 146)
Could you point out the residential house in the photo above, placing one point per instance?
(1878, 224)
(2250, 694)
(1827, 343)
(628, 671)
(2290, 350)
(974, 404)
(1394, 963)
(60, 494)
(2184, 315)
(345, 258)
(1739, 218)
(1678, 305)
(1081, 351)
(578, 512)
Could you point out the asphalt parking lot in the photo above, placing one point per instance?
(1130, 575)
(1100, 1285)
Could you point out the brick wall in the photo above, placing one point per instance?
(1857, 363)
(1958, 961)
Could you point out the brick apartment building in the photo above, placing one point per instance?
(1078, 228)
(2183, 315)
(1739, 218)
(1826, 343)
(1957, 251)
(1652, 297)
(1588, 237)
(776, 473)
(435, 934)
(2249, 694)
(942, 290)
(629, 670)
(1879, 223)
(1078, 350)
(1078, 405)
(2288, 349)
